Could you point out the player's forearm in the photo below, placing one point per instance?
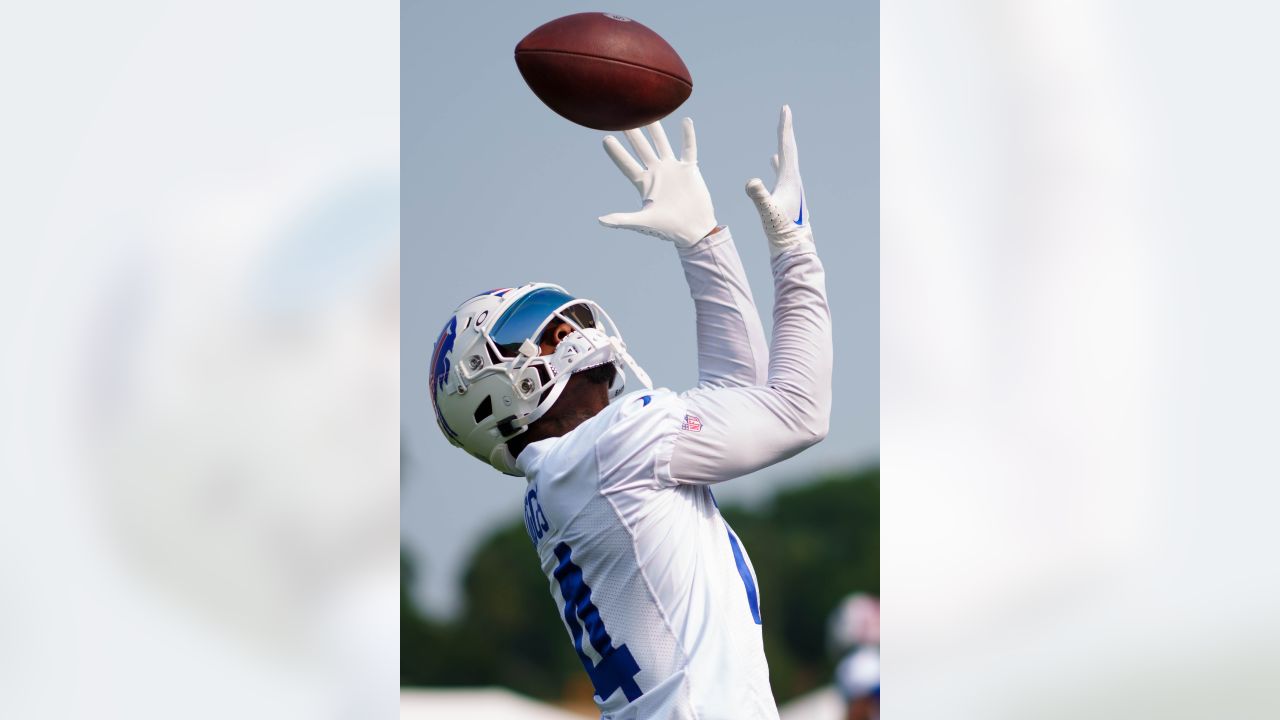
(801, 357)
(729, 432)
(731, 344)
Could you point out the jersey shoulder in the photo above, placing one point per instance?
(640, 415)
(638, 438)
(618, 446)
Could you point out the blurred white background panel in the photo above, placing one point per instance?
(199, 301)
(1078, 359)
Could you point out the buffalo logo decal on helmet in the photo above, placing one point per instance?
(440, 363)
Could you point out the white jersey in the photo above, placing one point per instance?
(656, 592)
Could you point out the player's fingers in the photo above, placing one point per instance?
(772, 217)
(757, 191)
(689, 152)
(641, 146)
(788, 159)
(620, 220)
(660, 142)
(627, 164)
(774, 162)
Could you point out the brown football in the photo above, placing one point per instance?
(603, 71)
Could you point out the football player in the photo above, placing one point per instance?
(655, 590)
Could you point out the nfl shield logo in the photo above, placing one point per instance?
(691, 423)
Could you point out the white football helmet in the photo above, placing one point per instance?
(489, 380)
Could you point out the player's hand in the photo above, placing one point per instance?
(677, 206)
(783, 211)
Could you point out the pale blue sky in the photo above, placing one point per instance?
(497, 190)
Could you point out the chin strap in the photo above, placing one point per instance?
(590, 348)
(632, 365)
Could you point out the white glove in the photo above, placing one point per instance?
(783, 212)
(677, 206)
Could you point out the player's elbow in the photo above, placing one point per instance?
(811, 420)
(815, 430)
(803, 437)
(818, 417)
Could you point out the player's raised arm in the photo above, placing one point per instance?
(677, 207)
(729, 432)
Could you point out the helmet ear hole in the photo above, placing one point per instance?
(484, 409)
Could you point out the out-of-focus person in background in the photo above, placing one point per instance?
(854, 634)
(858, 678)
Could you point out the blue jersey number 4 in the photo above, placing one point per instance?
(617, 669)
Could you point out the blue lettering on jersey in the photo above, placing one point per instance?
(534, 520)
(617, 669)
